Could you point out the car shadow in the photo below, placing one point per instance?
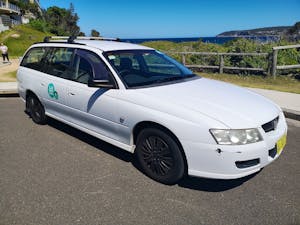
(213, 185)
(194, 183)
(91, 140)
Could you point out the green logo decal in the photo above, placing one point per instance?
(51, 91)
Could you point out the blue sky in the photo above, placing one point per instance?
(178, 18)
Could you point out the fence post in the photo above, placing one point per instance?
(221, 63)
(274, 62)
(183, 59)
(270, 63)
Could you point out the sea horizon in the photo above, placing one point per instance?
(214, 40)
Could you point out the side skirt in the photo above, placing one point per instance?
(129, 148)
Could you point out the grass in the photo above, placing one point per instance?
(8, 77)
(281, 83)
(20, 37)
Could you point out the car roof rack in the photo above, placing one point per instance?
(70, 39)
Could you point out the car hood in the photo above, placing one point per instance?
(231, 105)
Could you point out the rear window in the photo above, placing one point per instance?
(34, 57)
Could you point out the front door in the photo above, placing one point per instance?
(91, 108)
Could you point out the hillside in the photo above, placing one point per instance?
(257, 32)
(19, 38)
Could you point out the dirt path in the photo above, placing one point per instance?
(6, 68)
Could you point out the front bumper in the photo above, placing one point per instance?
(233, 161)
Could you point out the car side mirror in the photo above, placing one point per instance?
(101, 84)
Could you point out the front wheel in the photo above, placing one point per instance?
(36, 110)
(159, 156)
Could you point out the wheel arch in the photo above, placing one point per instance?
(150, 124)
(30, 93)
(27, 94)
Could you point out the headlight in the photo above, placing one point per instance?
(236, 137)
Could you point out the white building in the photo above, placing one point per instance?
(10, 13)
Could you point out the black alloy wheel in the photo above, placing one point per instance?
(36, 110)
(159, 156)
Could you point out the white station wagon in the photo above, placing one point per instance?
(145, 102)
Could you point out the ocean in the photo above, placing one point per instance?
(214, 40)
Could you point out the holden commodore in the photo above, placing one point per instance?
(141, 100)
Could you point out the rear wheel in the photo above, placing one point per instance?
(36, 110)
(159, 156)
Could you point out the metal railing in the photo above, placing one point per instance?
(9, 7)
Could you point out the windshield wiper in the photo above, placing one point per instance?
(167, 79)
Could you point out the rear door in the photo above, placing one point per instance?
(57, 68)
(30, 72)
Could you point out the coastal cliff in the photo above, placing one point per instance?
(292, 33)
(266, 31)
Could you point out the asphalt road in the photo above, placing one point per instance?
(54, 174)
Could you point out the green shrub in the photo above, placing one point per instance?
(241, 45)
(39, 25)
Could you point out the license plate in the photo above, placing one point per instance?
(281, 143)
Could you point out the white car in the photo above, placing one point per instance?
(144, 102)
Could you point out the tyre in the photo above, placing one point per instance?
(36, 110)
(159, 156)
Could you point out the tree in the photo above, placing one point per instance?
(295, 29)
(81, 34)
(62, 21)
(95, 33)
(72, 19)
(293, 33)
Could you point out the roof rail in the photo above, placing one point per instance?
(70, 39)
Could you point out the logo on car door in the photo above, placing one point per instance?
(51, 91)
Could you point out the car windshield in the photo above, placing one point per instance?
(138, 68)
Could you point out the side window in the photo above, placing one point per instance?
(82, 70)
(33, 58)
(59, 61)
(87, 65)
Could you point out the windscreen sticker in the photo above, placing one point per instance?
(51, 91)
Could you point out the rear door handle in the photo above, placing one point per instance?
(71, 93)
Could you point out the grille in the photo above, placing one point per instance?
(270, 125)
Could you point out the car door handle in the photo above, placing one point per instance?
(42, 84)
(71, 93)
